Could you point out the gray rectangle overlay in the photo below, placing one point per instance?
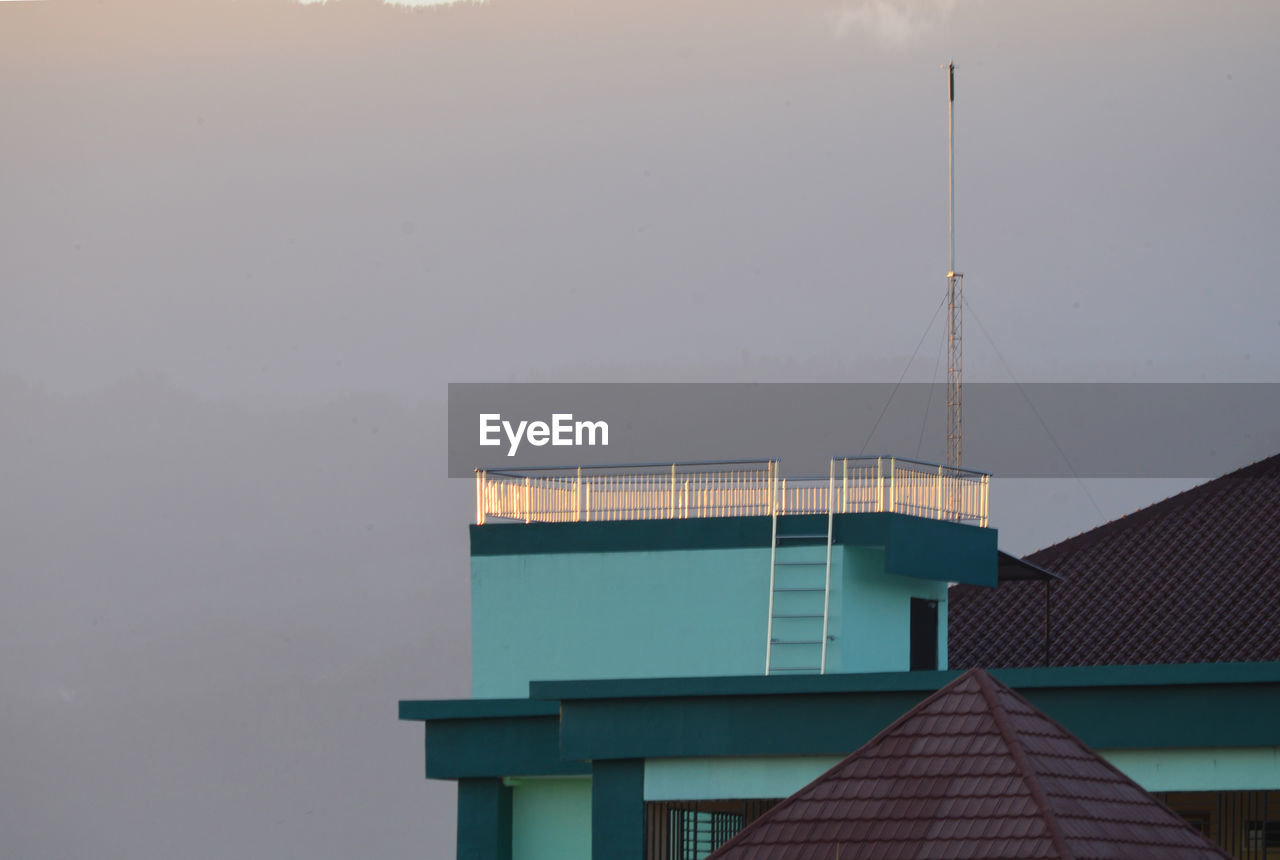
(1037, 430)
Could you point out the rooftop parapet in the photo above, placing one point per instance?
(742, 488)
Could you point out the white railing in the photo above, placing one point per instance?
(867, 484)
(731, 489)
(647, 492)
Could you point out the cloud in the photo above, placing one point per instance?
(891, 24)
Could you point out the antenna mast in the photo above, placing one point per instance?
(955, 291)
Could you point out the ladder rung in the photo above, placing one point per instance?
(787, 542)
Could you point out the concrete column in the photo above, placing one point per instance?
(484, 820)
(617, 810)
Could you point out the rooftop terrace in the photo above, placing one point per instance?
(742, 488)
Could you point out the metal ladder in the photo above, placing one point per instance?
(799, 597)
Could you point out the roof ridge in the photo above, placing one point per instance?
(882, 793)
(1255, 469)
(993, 682)
(797, 796)
(986, 684)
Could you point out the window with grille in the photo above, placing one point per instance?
(1262, 835)
(690, 830)
(696, 834)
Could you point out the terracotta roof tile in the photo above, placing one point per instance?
(973, 771)
(1192, 579)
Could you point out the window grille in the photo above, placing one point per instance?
(696, 834)
(691, 830)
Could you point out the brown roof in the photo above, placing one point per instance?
(973, 771)
(1192, 579)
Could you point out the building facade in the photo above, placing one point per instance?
(660, 654)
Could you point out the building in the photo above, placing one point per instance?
(661, 654)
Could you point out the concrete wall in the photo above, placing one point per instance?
(689, 612)
(1208, 769)
(875, 627)
(551, 819)
(679, 613)
(732, 778)
(741, 778)
(582, 615)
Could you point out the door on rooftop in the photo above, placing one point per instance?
(924, 634)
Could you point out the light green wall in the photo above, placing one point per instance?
(1241, 769)
(551, 819)
(876, 607)
(804, 566)
(1244, 769)
(578, 616)
(731, 778)
(676, 613)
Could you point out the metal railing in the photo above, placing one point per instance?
(867, 484)
(731, 489)
(644, 492)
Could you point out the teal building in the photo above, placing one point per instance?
(662, 653)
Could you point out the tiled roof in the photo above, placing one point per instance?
(1192, 579)
(973, 771)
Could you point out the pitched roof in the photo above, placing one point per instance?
(973, 771)
(1192, 579)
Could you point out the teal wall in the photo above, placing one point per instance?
(731, 777)
(804, 566)
(675, 613)
(743, 777)
(584, 615)
(1209, 769)
(551, 819)
(875, 627)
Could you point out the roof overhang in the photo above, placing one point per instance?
(1010, 568)
(566, 725)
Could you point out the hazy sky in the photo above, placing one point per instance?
(245, 245)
